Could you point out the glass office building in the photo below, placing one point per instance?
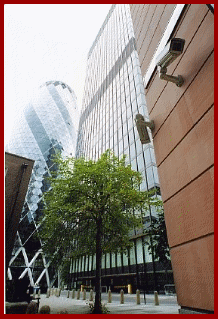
(48, 124)
(113, 95)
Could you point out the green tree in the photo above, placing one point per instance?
(158, 244)
(90, 209)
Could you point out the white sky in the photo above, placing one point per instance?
(45, 42)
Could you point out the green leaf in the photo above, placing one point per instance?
(82, 191)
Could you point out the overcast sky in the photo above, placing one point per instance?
(45, 42)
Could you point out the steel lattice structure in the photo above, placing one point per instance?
(46, 125)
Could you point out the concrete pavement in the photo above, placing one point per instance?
(168, 304)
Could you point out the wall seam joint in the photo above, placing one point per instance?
(191, 240)
(176, 67)
(186, 134)
(183, 93)
(189, 183)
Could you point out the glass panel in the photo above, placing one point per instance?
(139, 251)
(108, 260)
(103, 262)
(94, 262)
(147, 157)
(121, 147)
(82, 263)
(150, 177)
(156, 179)
(124, 128)
(90, 263)
(120, 134)
(132, 256)
(26, 227)
(125, 259)
(113, 260)
(152, 155)
(132, 151)
(140, 162)
(32, 245)
(79, 264)
(125, 141)
(119, 264)
(148, 256)
(134, 165)
(138, 146)
(143, 186)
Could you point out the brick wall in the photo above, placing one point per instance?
(184, 142)
(16, 184)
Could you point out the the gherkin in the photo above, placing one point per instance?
(46, 125)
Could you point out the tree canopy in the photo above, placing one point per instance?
(91, 207)
(81, 192)
(159, 244)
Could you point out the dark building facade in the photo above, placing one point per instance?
(113, 95)
(18, 171)
(183, 140)
(47, 125)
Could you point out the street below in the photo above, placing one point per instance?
(167, 304)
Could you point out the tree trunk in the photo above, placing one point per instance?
(154, 268)
(98, 307)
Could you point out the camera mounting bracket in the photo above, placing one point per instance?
(178, 80)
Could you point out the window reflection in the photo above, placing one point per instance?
(46, 126)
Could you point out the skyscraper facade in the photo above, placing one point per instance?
(113, 95)
(47, 125)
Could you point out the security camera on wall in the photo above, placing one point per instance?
(141, 125)
(171, 51)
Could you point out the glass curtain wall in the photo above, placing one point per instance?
(113, 95)
(48, 124)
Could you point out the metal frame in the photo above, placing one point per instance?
(29, 264)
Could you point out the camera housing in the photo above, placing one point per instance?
(141, 125)
(171, 51)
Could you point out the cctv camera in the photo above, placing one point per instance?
(171, 51)
(141, 125)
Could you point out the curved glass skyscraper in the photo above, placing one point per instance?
(46, 125)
